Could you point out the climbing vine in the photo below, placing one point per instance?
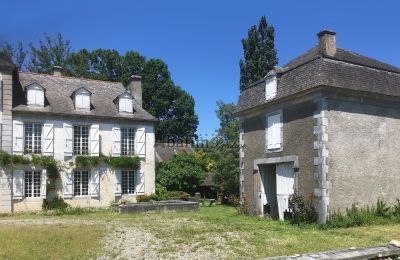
(52, 166)
(88, 162)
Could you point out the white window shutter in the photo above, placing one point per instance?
(18, 137)
(69, 184)
(140, 142)
(68, 138)
(39, 97)
(94, 140)
(48, 139)
(31, 96)
(139, 181)
(18, 184)
(95, 183)
(274, 126)
(269, 133)
(116, 138)
(43, 184)
(118, 183)
(270, 88)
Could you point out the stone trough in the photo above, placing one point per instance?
(158, 206)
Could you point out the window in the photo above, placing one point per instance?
(274, 127)
(33, 138)
(35, 95)
(270, 88)
(125, 103)
(81, 140)
(128, 182)
(82, 99)
(127, 141)
(81, 183)
(32, 184)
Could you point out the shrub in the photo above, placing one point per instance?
(56, 204)
(161, 192)
(354, 217)
(143, 198)
(382, 209)
(302, 210)
(396, 208)
(231, 199)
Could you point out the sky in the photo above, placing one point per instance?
(201, 40)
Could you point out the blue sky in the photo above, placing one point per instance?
(201, 40)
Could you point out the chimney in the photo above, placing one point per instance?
(327, 42)
(57, 70)
(135, 88)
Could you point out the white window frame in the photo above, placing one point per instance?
(128, 141)
(32, 184)
(32, 124)
(81, 140)
(270, 88)
(131, 178)
(35, 95)
(278, 127)
(82, 99)
(81, 183)
(125, 103)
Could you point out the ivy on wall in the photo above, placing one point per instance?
(54, 167)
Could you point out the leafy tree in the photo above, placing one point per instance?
(54, 51)
(184, 172)
(16, 54)
(173, 106)
(259, 53)
(225, 151)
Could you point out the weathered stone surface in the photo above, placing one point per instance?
(161, 206)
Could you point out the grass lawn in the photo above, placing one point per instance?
(212, 232)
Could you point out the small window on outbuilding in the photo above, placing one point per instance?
(125, 103)
(270, 88)
(35, 95)
(82, 99)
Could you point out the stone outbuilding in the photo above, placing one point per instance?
(328, 123)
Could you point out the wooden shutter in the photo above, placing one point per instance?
(18, 137)
(118, 183)
(94, 140)
(139, 181)
(116, 138)
(39, 97)
(95, 183)
(140, 142)
(18, 184)
(274, 131)
(43, 184)
(69, 184)
(68, 138)
(270, 88)
(48, 139)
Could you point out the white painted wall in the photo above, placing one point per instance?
(107, 174)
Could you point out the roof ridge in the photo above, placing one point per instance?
(68, 77)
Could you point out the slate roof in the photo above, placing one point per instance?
(58, 92)
(314, 68)
(6, 62)
(165, 151)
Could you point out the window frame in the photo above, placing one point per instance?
(81, 95)
(38, 93)
(271, 82)
(280, 148)
(81, 140)
(128, 143)
(128, 188)
(125, 103)
(29, 187)
(33, 136)
(82, 183)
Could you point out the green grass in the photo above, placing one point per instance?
(24, 241)
(217, 230)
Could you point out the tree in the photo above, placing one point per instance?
(173, 106)
(259, 53)
(225, 152)
(54, 51)
(184, 172)
(17, 55)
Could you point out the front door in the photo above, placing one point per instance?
(284, 186)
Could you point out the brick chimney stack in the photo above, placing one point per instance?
(135, 88)
(327, 42)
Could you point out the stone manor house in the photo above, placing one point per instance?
(328, 122)
(63, 117)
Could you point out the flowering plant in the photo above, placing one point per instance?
(302, 210)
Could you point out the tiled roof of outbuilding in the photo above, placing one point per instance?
(58, 91)
(345, 69)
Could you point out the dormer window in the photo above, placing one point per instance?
(35, 95)
(270, 88)
(82, 99)
(125, 103)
